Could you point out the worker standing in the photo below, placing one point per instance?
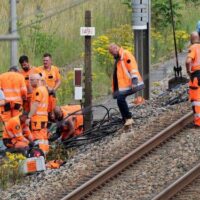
(193, 70)
(26, 70)
(126, 80)
(38, 116)
(52, 78)
(13, 85)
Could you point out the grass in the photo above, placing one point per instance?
(59, 34)
(63, 27)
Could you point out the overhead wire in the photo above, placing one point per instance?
(60, 7)
(78, 2)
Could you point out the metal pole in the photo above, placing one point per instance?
(147, 55)
(174, 35)
(13, 31)
(88, 75)
(141, 28)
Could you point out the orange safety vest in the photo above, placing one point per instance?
(194, 53)
(14, 87)
(77, 118)
(40, 94)
(26, 74)
(50, 76)
(126, 70)
(14, 130)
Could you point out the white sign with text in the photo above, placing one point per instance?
(87, 31)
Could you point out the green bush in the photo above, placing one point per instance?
(122, 36)
(10, 172)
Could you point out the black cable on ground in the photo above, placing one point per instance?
(109, 124)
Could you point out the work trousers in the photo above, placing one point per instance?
(123, 107)
(194, 96)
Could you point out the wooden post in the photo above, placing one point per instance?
(88, 75)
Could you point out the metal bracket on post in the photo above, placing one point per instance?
(9, 37)
(141, 28)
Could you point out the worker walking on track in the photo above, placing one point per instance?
(70, 122)
(16, 134)
(26, 70)
(126, 80)
(13, 85)
(52, 78)
(38, 116)
(193, 70)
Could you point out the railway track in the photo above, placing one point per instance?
(95, 182)
(188, 182)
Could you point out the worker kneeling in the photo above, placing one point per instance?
(16, 133)
(69, 122)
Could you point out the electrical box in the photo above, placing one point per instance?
(78, 89)
(140, 16)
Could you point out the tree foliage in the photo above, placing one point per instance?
(122, 36)
(161, 13)
(192, 1)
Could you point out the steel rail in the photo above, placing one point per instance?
(129, 159)
(179, 184)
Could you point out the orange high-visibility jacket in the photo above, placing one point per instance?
(77, 117)
(127, 69)
(40, 94)
(194, 53)
(13, 86)
(14, 130)
(26, 75)
(50, 76)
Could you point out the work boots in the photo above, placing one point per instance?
(129, 122)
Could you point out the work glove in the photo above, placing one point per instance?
(135, 81)
(59, 124)
(31, 144)
(34, 144)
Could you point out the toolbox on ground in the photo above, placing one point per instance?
(33, 164)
